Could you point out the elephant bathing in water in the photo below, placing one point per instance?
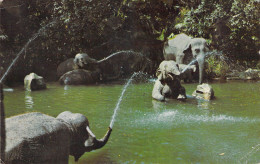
(168, 83)
(184, 49)
(113, 67)
(39, 138)
(80, 61)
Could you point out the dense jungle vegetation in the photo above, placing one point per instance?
(100, 28)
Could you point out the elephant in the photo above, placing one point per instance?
(184, 49)
(80, 76)
(39, 138)
(116, 65)
(80, 61)
(168, 84)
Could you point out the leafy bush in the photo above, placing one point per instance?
(216, 67)
(233, 26)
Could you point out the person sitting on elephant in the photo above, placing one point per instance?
(168, 84)
(39, 138)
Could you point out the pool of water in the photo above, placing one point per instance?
(224, 130)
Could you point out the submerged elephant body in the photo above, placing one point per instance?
(39, 138)
(184, 49)
(80, 77)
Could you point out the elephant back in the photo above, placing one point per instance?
(30, 136)
(66, 66)
(181, 42)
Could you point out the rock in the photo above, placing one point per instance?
(249, 74)
(34, 82)
(204, 91)
(80, 77)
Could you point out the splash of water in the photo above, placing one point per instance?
(178, 118)
(119, 52)
(24, 49)
(192, 62)
(120, 99)
(214, 52)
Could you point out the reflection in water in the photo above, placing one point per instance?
(66, 88)
(28, 100)
(158, 105)
(203, 104)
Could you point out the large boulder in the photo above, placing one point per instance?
(80, 77)
(204, 91)
(34, 82)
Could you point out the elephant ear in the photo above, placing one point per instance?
(75, 60)
(176, 71)
(159, 74)
(207, 45)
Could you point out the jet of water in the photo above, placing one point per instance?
(120, 99)
(117, 53)
(24, 49)
(192, 62)
(214, 52)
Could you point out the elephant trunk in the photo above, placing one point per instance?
(92, 143)
(201, 61)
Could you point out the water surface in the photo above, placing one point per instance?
(225, 130)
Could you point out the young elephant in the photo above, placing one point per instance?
(168, 83)
(39, 138)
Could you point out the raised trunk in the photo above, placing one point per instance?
(92, 143)
(201, 61)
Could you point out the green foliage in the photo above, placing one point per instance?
(233, 26)
(216, 67)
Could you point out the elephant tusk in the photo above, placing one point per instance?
(90, 132)
(171, 76)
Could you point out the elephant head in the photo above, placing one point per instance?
(82, 138)
(82, 59)
(168, 71)
(185, 49)
(199, 50)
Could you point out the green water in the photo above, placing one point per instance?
(225, 130)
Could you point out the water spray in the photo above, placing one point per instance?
(192, 62)
(120, 99)
(118, 53)
(24, 50)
